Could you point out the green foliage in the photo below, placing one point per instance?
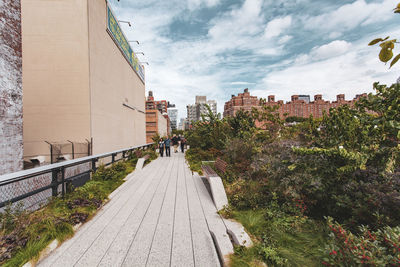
(209, 133)
(295, 119)
(195, 156)
(280, 239)
(345, 165)
(178, 132)
(242, 125)
(369, 248)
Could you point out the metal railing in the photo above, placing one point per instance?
(34, 187)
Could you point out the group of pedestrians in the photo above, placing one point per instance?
(166, 145)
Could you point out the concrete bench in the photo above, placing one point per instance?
(234, 229)
(140, 162)
(216, 186)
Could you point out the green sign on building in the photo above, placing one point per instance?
(120, 39)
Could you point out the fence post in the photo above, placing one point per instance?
(51, 151)
(88, 147)
(54, 182)
(113, 158)
(63, 181)
(94, 165)
(73, 149)
(123, 154)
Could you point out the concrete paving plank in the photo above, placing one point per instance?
(161, 216)
(69, 250)
(205, 253)
(117, 251)
(214, 221)
(99, 247)
(160, 251)
(182, 249)
(140, 247)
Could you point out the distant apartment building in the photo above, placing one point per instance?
(82, 81)
(157, 119)
(243, 101)
(299, 106)
(11, 144)
(173, 116)
(195, 111)
(191, 112)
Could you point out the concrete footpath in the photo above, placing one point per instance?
(158, 217)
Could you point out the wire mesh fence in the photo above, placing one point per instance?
(34, 187)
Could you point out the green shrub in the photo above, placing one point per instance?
(369, 248)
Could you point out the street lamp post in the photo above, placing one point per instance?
(125, 21)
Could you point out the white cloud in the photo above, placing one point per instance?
(349, 16)
(332, 49)
(195, 4)
(241, 83)
(235, 43)
(284, 39)
(277, 26)
(350, 71)
(334, 35)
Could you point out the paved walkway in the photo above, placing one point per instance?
(159, 217)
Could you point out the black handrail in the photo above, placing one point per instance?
(57, 169)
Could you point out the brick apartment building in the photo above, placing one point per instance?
(299, 106)
(157, 120)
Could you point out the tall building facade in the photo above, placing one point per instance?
(173, 116)
(299, 106)
(243, 101)
(11, 145)
(191, 112)
(195, 111)
(82, 80)
(157, 119)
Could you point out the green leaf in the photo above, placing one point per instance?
(388, 44)
(374, 42)
(394, 61)
(385, 55)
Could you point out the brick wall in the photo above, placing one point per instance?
(11, 148)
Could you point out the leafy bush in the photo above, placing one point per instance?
(369, 248)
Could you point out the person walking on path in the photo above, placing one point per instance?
(175, 141)
(161, 147)
(167, 144)
(183, 143)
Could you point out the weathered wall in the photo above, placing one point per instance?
(11, 148)
(113, 83)
(56, 74)
(162, 124)
(76, 80)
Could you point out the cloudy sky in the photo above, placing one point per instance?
(282, 47)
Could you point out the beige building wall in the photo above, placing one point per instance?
(113, 82)
(55, 66)
(75, 79)
(162, 124)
